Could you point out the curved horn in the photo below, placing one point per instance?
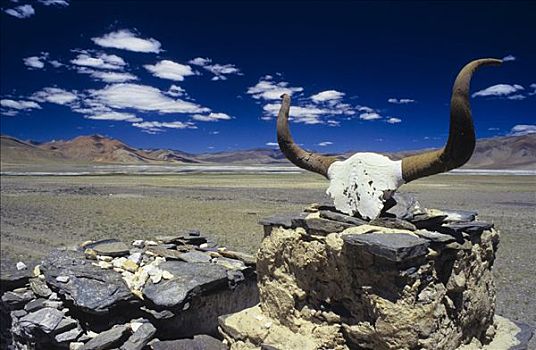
(306, 160)
(461, 141)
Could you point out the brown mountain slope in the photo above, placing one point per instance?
(510, 152)
(14, 151)
(97, 148)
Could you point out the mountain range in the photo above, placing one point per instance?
(509, 152)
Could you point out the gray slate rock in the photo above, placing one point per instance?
(435, 236)
(164, 252)
(316, 226)
(46, 319)
(459, 215)
(431, 222)
(393, 223)
(283, 220)
(199, 342)
(15, 301)
(140, 337)
(190, 279)
(35, 305)
(110, 247)
(40, 288)
(91, 288)
(109, 339)
(524, 336)
(11, 277)
(472, 228)
(195, 257)
(68, 336)
(336, 216)
(395, 247)
(401, 205)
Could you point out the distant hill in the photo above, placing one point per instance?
(98, 149)
(14, 151)
(510, 152)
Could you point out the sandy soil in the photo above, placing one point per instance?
(38, 213)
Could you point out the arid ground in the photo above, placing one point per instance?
(38, 213)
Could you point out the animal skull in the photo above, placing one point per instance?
(362, 183)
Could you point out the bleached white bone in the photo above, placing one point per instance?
(362, 183)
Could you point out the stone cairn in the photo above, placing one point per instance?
(161, 294)
(412, 279)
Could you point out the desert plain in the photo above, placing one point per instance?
(39, 213)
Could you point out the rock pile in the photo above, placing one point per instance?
(160, 294)
(412, 279)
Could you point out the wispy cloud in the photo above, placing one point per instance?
(54, 2)
(11, 107)
(523, 129)
(272, 144)
(116, 116)
(143, 98)
(325, 143)
(220, 71)
(328, 95)
(99, 61)
(109, 77)
(268, 89)
(400, 101)
(212, 117)
(501, 90)
(35, 62)
(22, 11)
(166, 69)
(176, 91)
(128, 40)
(370, 116)
(55, 95)
(393, 120)
(154, 127)
(509, 58)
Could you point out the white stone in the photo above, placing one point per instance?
(139, 243)
(135, 257)
(118, 262)
(151, 243)
(21, 266)
(135, 325)
(75, 345)
(62, 279)
(362, 183)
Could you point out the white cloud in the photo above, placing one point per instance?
(325, 143)
(393, 120)
(522, 129)
(365, 109)
(166, 69)
(127, 40)
(333, 123)
(144, 98)
(212, 117)
(175, 91)
(400, 101)
(55, 63)
(55, 95)
(19, 105)
(499, 90)
(272, 144)
(23, 11)
(214, 132)
(369, 116)
(36, 62)
(267, 89)
(54, 2)
(509, 58)
(117, 116)
(494, 129)
(219, 70)
(308, 114)
(112, 77)
(101, 61)
(328, 95)
(154, 127)
(516, 97)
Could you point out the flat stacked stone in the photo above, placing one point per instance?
(109, 294)
(412, 279)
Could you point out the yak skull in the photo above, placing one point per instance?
(362, 183)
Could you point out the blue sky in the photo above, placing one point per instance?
(207, 76)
